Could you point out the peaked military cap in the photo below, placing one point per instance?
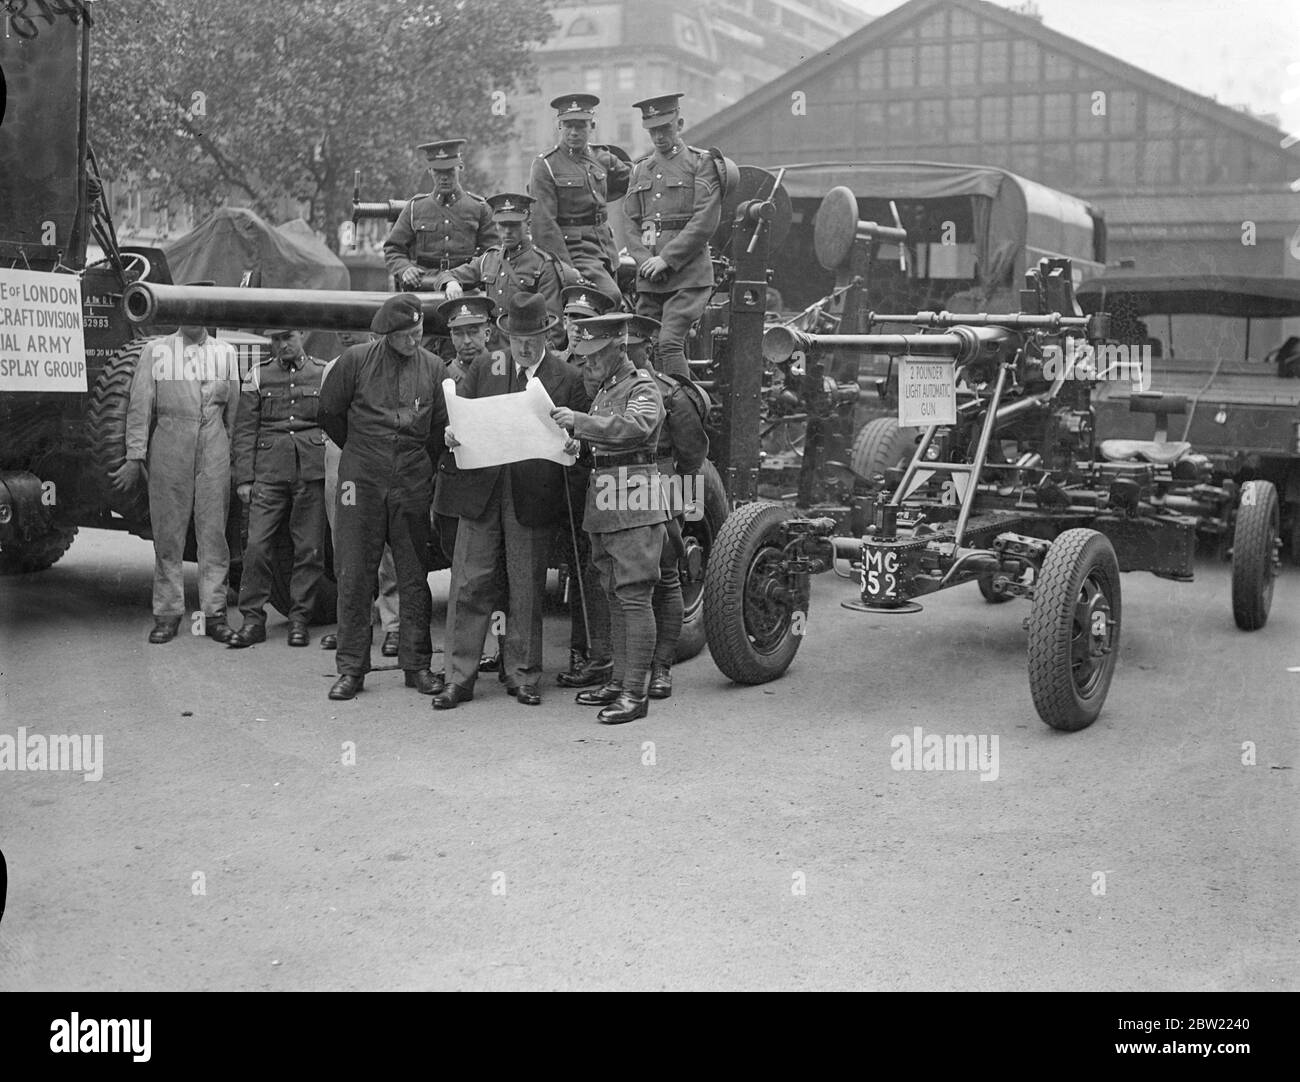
(576, 106)
(643, 329)
(467, 310)
(593, 335)
(400, 312)
(445, 154)
(585, 299)
(657, 111)
(510, 206)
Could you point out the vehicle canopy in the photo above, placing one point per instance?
(970, 228)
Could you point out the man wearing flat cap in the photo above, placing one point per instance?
(383, 405)
(508, 512)
(624, 513)
(442, 229)
(672, 207)
(512, 267)
(573, 183)
(279, 456)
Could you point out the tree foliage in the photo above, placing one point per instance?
(249, 101)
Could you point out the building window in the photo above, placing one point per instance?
(933, 71)
(1057, 67)
(844, 78)
(1089, 164)
(961, 118)
(1025, 58)
(1024, 116)
(871, 123)
(1086, 120)
(1161, 115)
(993, 119)
(581, 27)
(625, 77)
(902, 67)
(1058, 164)
(624, 133)
(900, 118)
(1158, 161)
(931, 125)
(1024, 160)
(1193, 162)
(1057, 115)
(934, 27)
(963, 24)
(1123, 107)
(961, 66)
(591, 80)
(1123, 170)
(871, 71)
(993, 62)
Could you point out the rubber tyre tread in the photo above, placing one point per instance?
(37, 555)
(724, 597)
(1252, 556)
(881, 445)
(1070, 559)
(106, 426)
(693, 635)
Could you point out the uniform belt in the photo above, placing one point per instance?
(629, 458)
(671, 223)
(443, 264)
(585, 219)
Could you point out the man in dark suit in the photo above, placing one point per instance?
(510, 509)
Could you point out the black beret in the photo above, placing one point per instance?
(400, 312)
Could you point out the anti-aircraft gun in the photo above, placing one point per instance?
(1005, 487)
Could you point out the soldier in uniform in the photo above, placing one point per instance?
(589, 650)
(383, 405)
(672, 207)
(624, 513)
(683, 447)
(441, 229)
(279, 457)
(512, 267)
(572, 183)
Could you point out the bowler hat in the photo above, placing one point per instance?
(400, 312)
(526, 314)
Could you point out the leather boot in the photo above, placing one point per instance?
(164, 629)
(215, 627)
(329, 642)
(389, 649)
(425, 682)
(347, 686)
(298, 634)
(601, 696)
(626, 707)
(661, 681)
(588, 673)
(249, 633)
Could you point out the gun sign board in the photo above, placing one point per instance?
(927, 392)
(41, 343)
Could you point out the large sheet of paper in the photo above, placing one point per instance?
(505, 428)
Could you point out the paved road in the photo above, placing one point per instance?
(737, 838)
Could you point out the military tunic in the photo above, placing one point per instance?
(572, 191)
(279, 449)
(503, 274)
(672, 208)
(435, 236)
(625, 513)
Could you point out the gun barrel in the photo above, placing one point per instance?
(225, 306)
(963, 344)
(1053, 321)
(389, 209)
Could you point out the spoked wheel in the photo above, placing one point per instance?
(699, 538)
(753, 626)
(1256, 544)
(1074, 630)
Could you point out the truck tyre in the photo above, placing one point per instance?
(880, 446)
(700, 537)
(1255, 545)
(752, 636)
(1074, 630)
(36, 554)
(106, 425)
